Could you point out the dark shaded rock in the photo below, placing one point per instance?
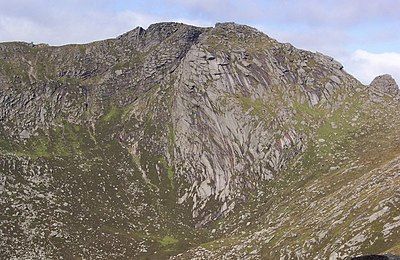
(376, 257)
(371, 257)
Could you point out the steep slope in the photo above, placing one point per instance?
(214, 142)
(85, 147)
(339, 199)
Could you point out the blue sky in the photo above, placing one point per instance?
(363, 35)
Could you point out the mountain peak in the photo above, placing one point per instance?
(133, 34)
(385, 83)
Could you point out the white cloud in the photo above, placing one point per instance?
(73, 28)
(313, 13)
(365, 65)
(78, 28)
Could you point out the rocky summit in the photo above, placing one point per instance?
(183, 142)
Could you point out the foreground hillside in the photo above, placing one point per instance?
(186, 142)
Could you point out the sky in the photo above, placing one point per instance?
(364, 35)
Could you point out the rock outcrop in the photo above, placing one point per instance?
(386, 84)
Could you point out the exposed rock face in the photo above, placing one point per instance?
(386, 84)
(211, 142)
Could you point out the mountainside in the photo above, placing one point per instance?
(194, 143)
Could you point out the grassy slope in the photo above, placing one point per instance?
(322, 201)
(105, 205)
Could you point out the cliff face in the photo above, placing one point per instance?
(215, 142)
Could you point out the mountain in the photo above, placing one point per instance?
(194, 143)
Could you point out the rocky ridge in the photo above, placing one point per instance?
(208, 142)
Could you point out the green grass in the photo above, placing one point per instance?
(306, 109)
(40, 149)
(168, 241)
(217, 244)
(13, 68)
(170, 171)
(171, 174)
(67, 140)
(257, 107)
(112, 114)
